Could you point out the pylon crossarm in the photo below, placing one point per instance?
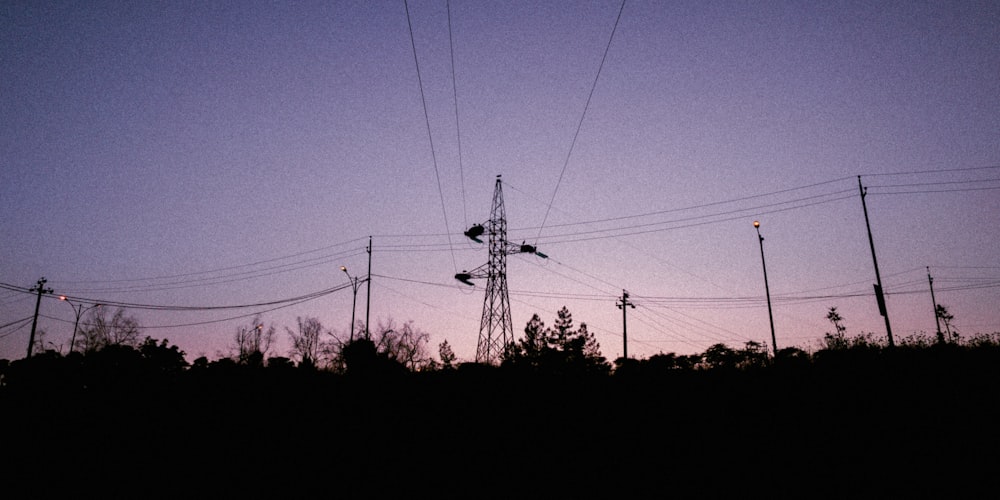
(477, 273)
(513, 248)
(475, 232)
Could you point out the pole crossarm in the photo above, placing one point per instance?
(480, 272)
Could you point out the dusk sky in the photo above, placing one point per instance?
(192, 155)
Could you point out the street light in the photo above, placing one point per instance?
(354, 284)
(767, 290)
(79, 310)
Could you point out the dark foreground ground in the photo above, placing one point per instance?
(885, 429)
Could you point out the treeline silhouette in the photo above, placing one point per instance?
(853, 419)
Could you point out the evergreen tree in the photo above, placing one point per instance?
(942, 312)
(835, 340)
(562, 332)
(559, 349)
(447, 355)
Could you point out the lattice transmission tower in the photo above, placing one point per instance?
(496, 331)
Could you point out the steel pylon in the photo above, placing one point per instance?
(496, 331)
(495, 328)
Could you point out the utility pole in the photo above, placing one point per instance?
(937, 319)
(354, 305)
(767, 289)
(879, 297)
(624, 304)
(368, 301)
(40, 289)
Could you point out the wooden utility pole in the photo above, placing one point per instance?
(937, 317)
(767, 289)
(368, 301)
(624, 304)
(879, 296)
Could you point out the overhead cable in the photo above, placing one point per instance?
(580, 124)
(430, 138)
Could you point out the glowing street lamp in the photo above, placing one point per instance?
(767, 290)
(79, 310)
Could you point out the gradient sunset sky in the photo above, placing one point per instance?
(192, 155)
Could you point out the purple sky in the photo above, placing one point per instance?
(185, 154)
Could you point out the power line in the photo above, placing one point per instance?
(209, 322)
(658, 301)
(753, 209)
(612, 333)
(218, 280)
(580, 124)
(15, 300)
(598, 329)
(458, 128)
(602, 297)
(968, 267)
(427, 248)
(411, 247)
(434, 247)
(733, 200)
(155, 307)
(15, 322)
(430, 138)
(657, 327)
(695, 207)
(685, 226)
(218, 270)
(525, 293)
(935, 171)
(699, 217)
(25, 322)
(199, 323)
(915, 184)
(557, 273)
(926, 191)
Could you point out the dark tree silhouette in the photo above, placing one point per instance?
(720, 356)
(100, 331)
(835, 340)
(281, 363)
(252, 342)
(753, 355)
(361, 357)
(557, 349)
(946, 317)
(447, 355)
(657, 364)
(306, 343)
(162, 356)
(793, 357)
(530, 348)
(405, 346)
